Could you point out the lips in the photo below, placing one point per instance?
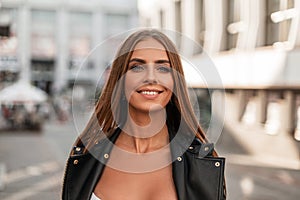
(149, 92)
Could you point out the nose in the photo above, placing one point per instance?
(151, 76)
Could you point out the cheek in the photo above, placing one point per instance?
(130, 85)
(168, 82)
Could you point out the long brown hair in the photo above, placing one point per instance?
(103, 121)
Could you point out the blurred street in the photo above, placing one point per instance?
(253, 177)
(35, 162)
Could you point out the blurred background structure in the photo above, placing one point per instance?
(254, 45)
(45, 43)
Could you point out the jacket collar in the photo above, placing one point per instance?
(179, 143)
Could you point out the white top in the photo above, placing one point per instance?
(94, 197)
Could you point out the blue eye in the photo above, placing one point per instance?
(164, 69)
(137, 68)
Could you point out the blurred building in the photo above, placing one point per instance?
(45, 42)
(221, 26)
(254, 45)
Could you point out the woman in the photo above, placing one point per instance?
(142, 138)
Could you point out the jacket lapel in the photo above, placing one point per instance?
(178, 165)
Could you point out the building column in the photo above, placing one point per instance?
(289, 112)
(24, 42)
(250, 16)
(188, 27)
(62, 59)
(261, 23)
(294, 36)
(297, 129)
(214, 26)
(242, 101)
(262, 105)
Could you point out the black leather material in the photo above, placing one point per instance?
(83, 171)
(195, 177)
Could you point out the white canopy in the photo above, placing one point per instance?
(22, 92)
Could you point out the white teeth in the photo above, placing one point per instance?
(150, 92)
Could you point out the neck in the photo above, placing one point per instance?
(129, 141)
(145, 124)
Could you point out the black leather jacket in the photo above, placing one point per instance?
(194, 177)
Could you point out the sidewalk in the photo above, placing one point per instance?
(2, 175)
(262, 183)
(259, 166)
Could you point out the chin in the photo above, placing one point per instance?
(150, 108)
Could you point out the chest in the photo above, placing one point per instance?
(154, 185)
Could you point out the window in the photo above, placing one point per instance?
(80, 34)
(7, 22)
(8, 40)
(4, 31)
(43, 34)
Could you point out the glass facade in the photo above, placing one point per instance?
(50, 40)
(9, 65)
(43, 34)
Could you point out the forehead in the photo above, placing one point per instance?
(149, 43)
(150, 50)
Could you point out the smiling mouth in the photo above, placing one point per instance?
(149, 92)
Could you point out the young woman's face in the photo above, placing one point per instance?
(148, 81)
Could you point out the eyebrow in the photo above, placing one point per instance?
(144, 62)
